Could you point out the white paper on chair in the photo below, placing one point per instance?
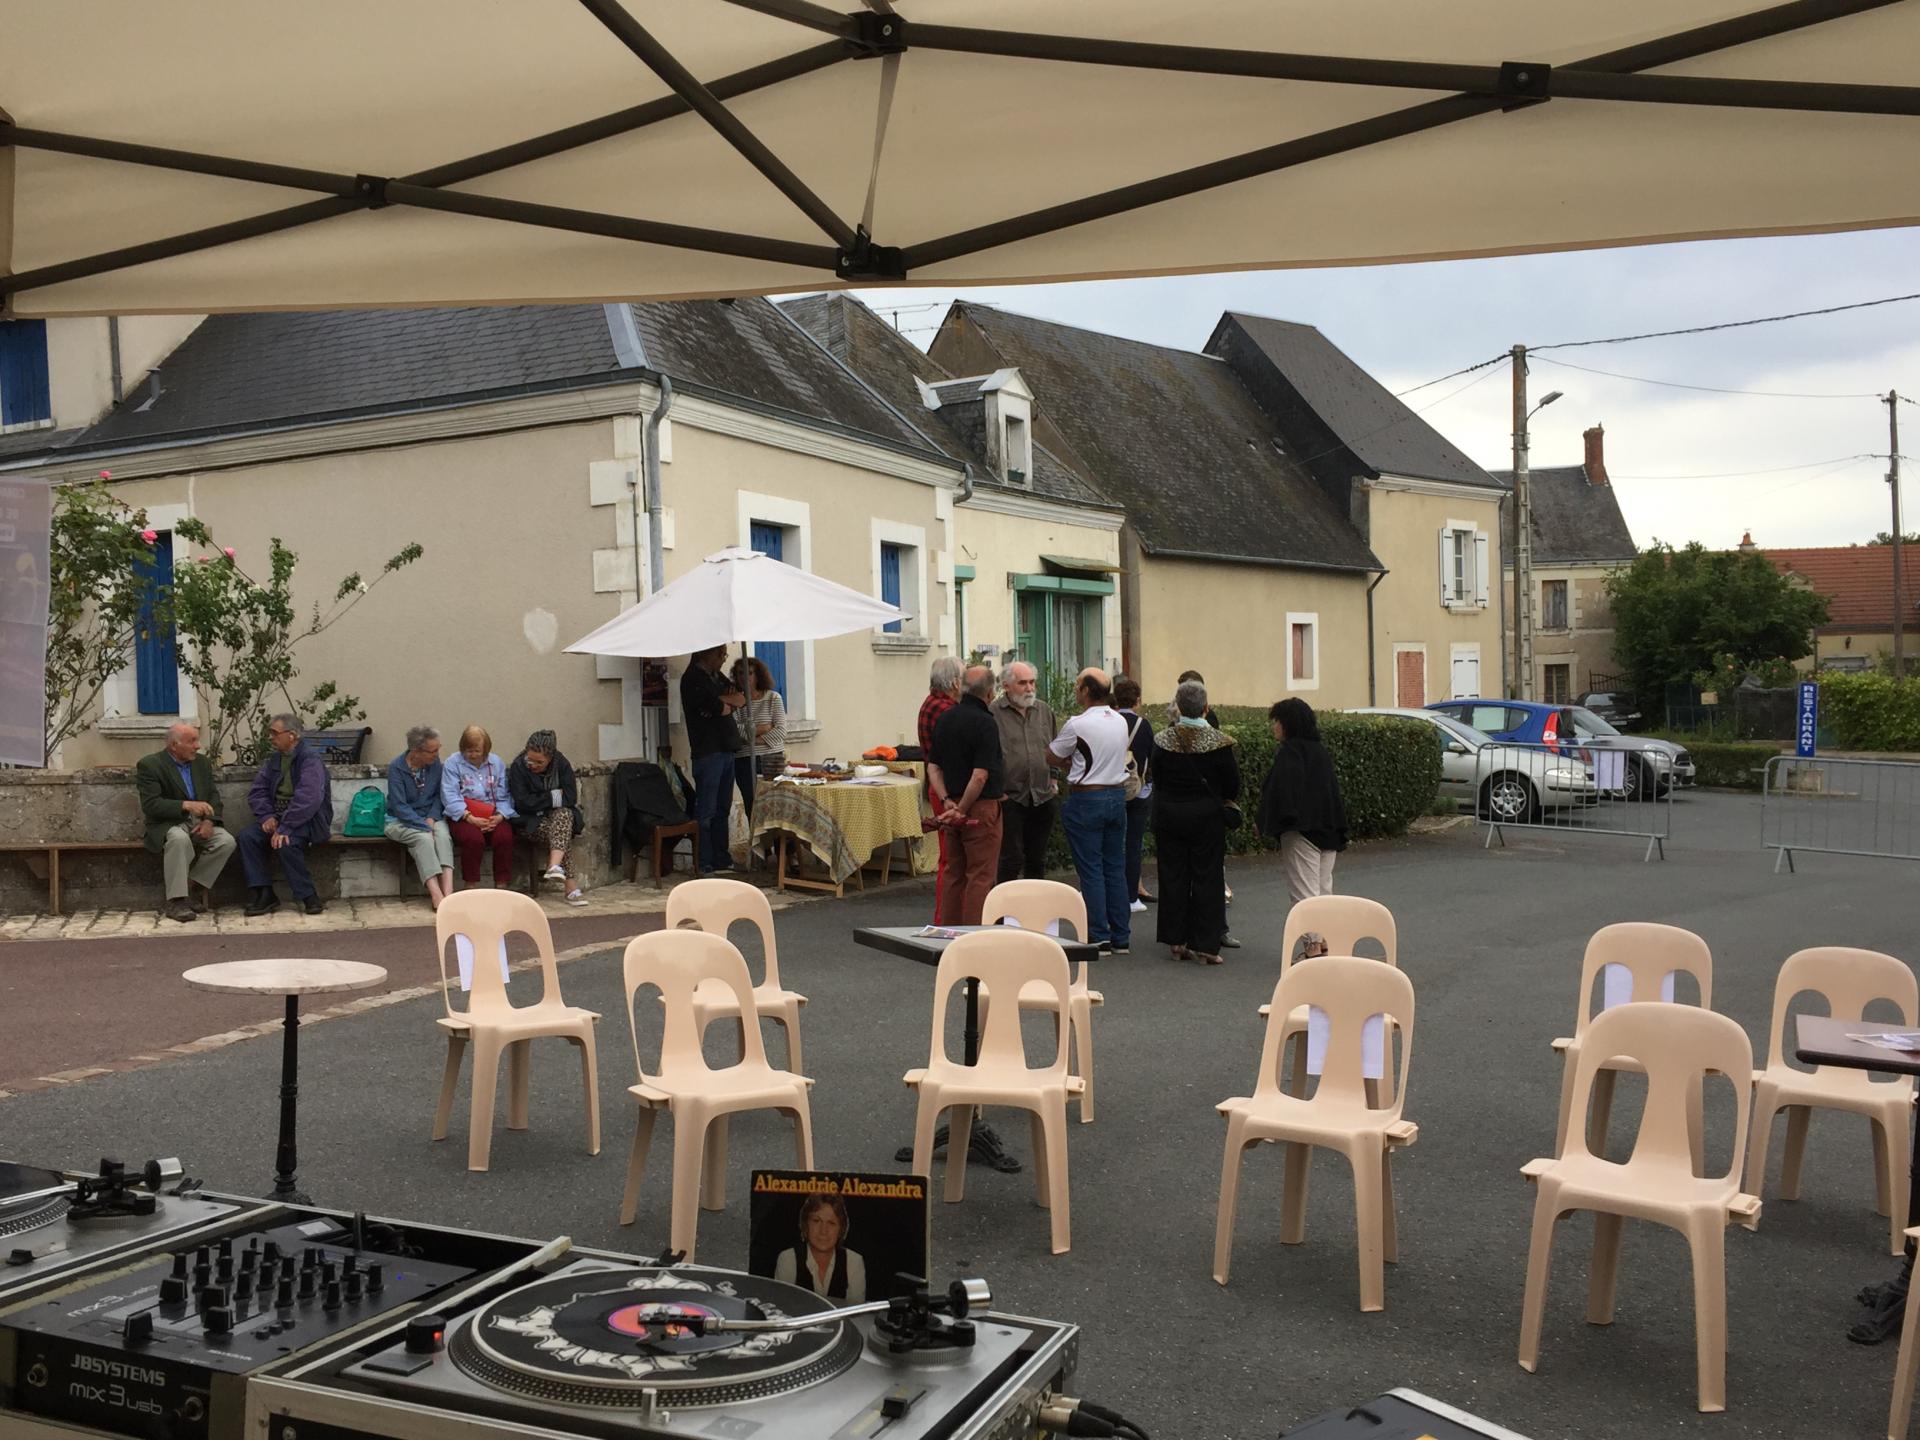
(1053, 926)
(1616, 986)
(463, 956)
(1373, 1037)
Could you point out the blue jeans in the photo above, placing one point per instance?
(256, 852)
(712, 796)
(1096, 826)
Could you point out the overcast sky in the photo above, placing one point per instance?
(1408, 324)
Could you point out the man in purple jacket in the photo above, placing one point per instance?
(292, 809)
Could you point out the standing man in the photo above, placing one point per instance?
(965, 771)
(182, 809)
(1027, 727)
(292, 809)
(1092, 748)
(943, 693)
(708, 705)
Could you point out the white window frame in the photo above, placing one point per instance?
(1477, 552)
(795, 516)
(912, 540)
(1309, 618)
(1463, 650)
(1416, 647)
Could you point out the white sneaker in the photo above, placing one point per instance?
(555, 872)
(576, 897)
(1139, 907)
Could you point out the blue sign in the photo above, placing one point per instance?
(1806, 725)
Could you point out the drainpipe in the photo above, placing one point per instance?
(966, 483)
(1372, 658)
(656, 554)
(113, 356)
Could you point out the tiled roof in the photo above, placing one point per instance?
(1179, 441)
(1573, 520)
(871, 348)
(1858, 581)
(1357, 412)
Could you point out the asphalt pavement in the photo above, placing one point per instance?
(1492, 941)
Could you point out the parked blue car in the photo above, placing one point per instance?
(1652, 768)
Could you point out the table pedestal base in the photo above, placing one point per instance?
(984, 1147)
(287, 1160)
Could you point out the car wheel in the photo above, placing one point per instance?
(1641, 782)
(1508, 799)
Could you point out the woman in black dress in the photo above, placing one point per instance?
(1195, 775)
(1300, 805)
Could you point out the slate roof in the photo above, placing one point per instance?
(20, 444)
(1858, 581)
(1357, 411)
(1573, 520)
(1177, 439)
(237, 373)
(873, 350)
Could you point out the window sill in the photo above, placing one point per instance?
(799, 732)
(136, 727)
(901, 644)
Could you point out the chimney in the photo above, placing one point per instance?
(1596, 439)
(1747, 547)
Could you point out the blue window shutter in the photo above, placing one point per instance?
(24, 394)
(770, 541)
(890, 581)
(156, 671)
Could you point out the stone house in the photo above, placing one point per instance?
(1579, 538)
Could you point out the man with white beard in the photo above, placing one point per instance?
(1027, 727)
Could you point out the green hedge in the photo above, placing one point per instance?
(1388, 768)
(1868, 711)
(1730, 764)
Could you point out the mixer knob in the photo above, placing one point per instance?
(332, 1300)
(223, 1272)
(173, 1290)
(376, 1278)
(356, 1284)
(218, 1319)
(306, 1284)
(180, 1265)
(426, 1334)
(243, 1287)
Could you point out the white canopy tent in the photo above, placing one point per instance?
(207, 155)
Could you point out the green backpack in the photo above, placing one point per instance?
(367, 814)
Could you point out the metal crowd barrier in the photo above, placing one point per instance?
(1840, 807)
(1571, 789)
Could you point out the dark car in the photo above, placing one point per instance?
(1653, 767)
(1616, 707)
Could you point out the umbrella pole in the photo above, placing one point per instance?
(753, 737)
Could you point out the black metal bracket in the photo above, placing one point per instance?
(868, 261)
(1524, 83)
(374, 188)
(870, 33)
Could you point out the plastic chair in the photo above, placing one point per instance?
(680, 963)
(1676, 1046)
(1036, 904)
(1008, 960)
(1849, 980)
(715, 906)
(1649, 953)
(1338, 1116)
(493, 1023)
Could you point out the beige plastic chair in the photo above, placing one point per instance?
(1338, 1116)
(1676, 1046)
(1908, 1364)
(1649, 953)
(493, 1023)
(1007, 960)
(714, 906)
(1849, 980)
(680, 963)
(1036, 904)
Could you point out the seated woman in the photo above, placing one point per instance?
(473, 786)
(417, 813)
(547, 806)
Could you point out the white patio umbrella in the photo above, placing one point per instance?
(204, 155)
(737, 595)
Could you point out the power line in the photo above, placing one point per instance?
(1716, 389)
(1484, 374)
(1726, 324)
(1746, 474)
(1463, 370)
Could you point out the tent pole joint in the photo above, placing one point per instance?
(1524, 83)
(871, 33)
(374, 189)
(868, 261)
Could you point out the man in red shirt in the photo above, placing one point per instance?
(943, 693)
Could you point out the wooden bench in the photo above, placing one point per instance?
(50, 852)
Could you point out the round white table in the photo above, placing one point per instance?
(292, 979)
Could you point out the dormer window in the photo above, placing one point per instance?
(1009, 417)
(1019, 452)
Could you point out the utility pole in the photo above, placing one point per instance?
(1522, 536)
(1893, 484)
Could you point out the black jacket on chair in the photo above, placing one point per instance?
(643, 797)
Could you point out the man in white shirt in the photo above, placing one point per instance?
(1092, 748)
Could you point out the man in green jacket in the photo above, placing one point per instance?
(181, 806)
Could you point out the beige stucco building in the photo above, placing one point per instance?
(1858, 583)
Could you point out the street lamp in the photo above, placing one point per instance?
(1523, 527)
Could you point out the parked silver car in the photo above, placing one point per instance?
(1513, 783)
(1653, 766)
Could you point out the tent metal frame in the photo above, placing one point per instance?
(852, 254)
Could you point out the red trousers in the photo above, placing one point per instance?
(475, 842)
(969, 861)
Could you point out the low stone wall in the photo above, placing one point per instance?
(39, 805)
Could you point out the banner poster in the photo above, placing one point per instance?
(26, 520)
(840, 1234)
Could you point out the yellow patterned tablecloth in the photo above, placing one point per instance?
(843, 824)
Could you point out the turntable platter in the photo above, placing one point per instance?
(601, 1338)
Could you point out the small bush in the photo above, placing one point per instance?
(1730, 764)
(1860, 711)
